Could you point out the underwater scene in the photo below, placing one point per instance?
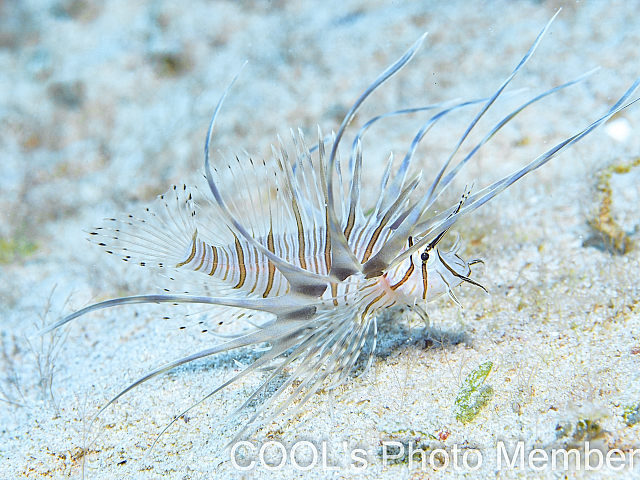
(422, 249)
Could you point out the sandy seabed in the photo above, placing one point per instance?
(104, 105)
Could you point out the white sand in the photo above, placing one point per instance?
(104, 106)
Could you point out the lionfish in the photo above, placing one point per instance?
(283, 240)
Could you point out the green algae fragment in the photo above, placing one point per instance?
(631, 414)
(584, 430)
(15, 249)
(473, 394)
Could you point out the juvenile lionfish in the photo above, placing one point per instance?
(284, 241)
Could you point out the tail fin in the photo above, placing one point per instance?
(160, 237)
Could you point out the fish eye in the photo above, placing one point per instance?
(425, 256)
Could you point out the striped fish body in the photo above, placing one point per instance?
(243, 267)
(167, 235)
